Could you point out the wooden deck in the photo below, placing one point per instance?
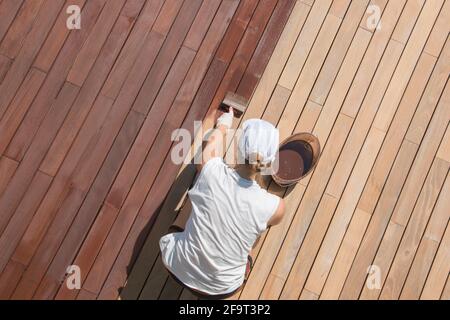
(86, 118)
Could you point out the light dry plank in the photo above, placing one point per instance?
(402, 209)
(419, 270)
(436, 226)
(373, 55)
(325, 121)
(342, 85)
(412, 100)
(364, 119)
(344, 258)
(405, 68)
(308, 295)
(380, 37)
(440, 32)
(307, 77)
(338, 184)
(270, 291)
(428, 149)
(406, 23)
(439, 271)
(368, 22)
(276, 103)
(342, 216)
(301, 267)
(339, 8)
(394, 231)
(309, 117)
(414, 230)
(371, 290)
(339, 48)
(446, 293)
(436, 267)
(308, 2)
(444, 150)
(284, 255)
(434, 90)
(304, 43)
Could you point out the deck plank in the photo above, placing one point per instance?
(147, 175)
(389, 198)
(435, 283)
(8, 11)
(13, 40)
(32, 43)
(318, 183)
(87, 116)
(84, 174)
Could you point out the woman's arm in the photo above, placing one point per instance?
(278, 215)
(215, 145)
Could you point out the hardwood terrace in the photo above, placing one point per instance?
(86, 118)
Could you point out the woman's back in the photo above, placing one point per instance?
(228, 215)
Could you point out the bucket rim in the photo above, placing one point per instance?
(316, 156)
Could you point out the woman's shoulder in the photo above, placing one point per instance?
(267, 199)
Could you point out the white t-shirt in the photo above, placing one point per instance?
(228, 215)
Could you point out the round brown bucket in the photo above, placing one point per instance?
(297, 156)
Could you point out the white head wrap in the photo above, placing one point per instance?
(259, 137)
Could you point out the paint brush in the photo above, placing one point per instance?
(238, 103)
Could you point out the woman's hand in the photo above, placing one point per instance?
(226, 119)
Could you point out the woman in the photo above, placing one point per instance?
(229, 213)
